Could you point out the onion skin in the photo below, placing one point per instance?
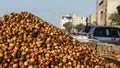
(27, 41)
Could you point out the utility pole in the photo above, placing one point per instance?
(86, 29)
(87, 21)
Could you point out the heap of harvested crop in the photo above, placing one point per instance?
(28, 41)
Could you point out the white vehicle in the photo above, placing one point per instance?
(103, 33)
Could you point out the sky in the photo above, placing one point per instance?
(49, 10)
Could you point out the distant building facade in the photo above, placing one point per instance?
(92, 19)
(71, 18)
(104, 9)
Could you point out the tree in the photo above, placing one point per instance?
(78, 27)
(68, 27)
(114, 17)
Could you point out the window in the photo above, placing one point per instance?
(115, 32)
(102, 32)
(100, 2)
(86, 29)
(107, 32)
(101, 16)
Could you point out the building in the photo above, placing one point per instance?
(73, 19)
(104, 9)
(79, 20)
(92, 19)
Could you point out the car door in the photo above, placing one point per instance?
(100, 33)
(106, 34)
(115, 35)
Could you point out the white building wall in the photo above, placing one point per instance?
(75, 20)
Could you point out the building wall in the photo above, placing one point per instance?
(101, 12)
(75, 20)
(104, 9)
(111, 8)
(62, 21)
(92, 19)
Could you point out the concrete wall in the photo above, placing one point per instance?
(111, 8)
(104, 9)
(92, 19)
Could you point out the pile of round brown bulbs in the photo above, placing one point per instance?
(26, 41)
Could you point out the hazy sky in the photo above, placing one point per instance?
(49, 10)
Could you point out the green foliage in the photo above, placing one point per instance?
(68, 27)
(78, 27)
(114, 17)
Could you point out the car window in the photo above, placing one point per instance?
(102, 32)
(86, 29)
(115, 32)
(107, 32)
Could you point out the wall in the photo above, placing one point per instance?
(104, 9)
